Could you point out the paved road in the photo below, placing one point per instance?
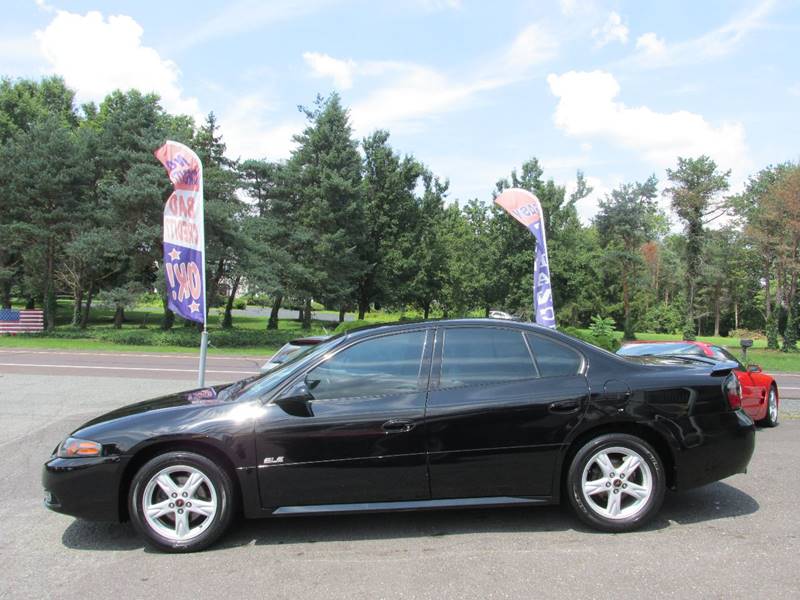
(736, 539)
(183, 367)
(788, 385)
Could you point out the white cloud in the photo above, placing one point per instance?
(415, 92)
(409, 93)
(44, 6)
(654, 53)
(249, 134)
(322, 65)
(241, 17)
(794, 90)
(588, 108)
(613, 30)
(95, 56)
(531, 46)
(650, 44)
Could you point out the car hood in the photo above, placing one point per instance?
(207, 396)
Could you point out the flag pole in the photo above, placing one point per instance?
(201, 368)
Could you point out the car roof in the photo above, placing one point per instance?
(408, 325)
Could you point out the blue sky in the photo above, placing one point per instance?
(616, 89)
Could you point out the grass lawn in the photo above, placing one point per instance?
(141, 332)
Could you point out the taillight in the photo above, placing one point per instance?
(733, 391)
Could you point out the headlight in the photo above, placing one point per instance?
(74, 448)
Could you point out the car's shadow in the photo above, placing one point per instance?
(714, 501)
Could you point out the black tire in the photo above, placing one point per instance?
(771, 418)
(207, 532)
(650, 475)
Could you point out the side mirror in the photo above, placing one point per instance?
(299, 392)
(296, 401)
(753, 369)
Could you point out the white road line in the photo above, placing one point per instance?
(120, 354)
(123, 368)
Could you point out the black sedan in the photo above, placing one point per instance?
(438, 414)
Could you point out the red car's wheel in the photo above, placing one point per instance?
(771, 418)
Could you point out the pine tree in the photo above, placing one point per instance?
(324, 177)
(695, 184)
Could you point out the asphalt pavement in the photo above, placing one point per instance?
(144, 365)
(739, 538)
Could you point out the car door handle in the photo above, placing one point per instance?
(397, 426)
(565, 406)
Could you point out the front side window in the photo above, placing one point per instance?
(478, 355)
(554, 359)
(386, 365)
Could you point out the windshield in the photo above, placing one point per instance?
(271, 379)
(722, 354)
(660, 349)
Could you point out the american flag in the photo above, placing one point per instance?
(21, 321)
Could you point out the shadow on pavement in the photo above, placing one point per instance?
(714, 501)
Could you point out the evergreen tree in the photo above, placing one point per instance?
(43, 179)
(324, 175)
(390, 217)
(626, 221)
(695, 186)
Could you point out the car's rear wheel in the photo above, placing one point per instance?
(181, 501)
(771, 417)
(616, 482)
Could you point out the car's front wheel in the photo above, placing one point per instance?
(616, 482)
(181, 501)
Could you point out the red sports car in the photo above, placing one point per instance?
(759, 391)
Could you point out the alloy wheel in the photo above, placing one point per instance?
(617, 483)
(179, 502)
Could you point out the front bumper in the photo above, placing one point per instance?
(722, 446)
(87, 488)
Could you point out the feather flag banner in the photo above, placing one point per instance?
(526, 208)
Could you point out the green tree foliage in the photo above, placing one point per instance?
(324, 178)
(626, 220)
(696, 184)
(43, 178)
(391, 216)
(429, 255)
(356, 225)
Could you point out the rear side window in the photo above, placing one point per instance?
(476, 355)
(552, 358)
(376, 367)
